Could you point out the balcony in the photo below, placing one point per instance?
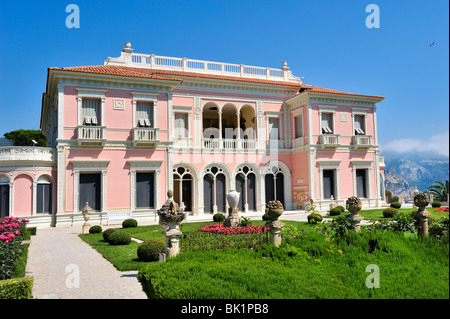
(156, 62)
(145, 137)
(229, 143)
(34, 155)
(362, 141)
(91, 135)
(329, 141)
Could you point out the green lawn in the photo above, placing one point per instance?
(307, 266)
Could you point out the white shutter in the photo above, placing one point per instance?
(326, 123)
(181, 129)
(359, 125)
(273, 129)
(91, 111)
(144, 114)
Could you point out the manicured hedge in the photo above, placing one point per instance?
(307, 266)
(16, 288)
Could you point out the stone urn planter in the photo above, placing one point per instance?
(354, 205)
(274, 209)
(233, 212)
(421, 200)
(170, 217)
(233, 199)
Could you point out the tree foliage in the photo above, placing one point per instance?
(25, 137)
(439, 190)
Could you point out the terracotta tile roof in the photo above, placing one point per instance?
(115, 70)
(172, 76)
(311, 88)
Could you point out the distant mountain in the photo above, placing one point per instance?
(403, 172)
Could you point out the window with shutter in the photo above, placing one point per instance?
(144, 114)
(273, 129)
(181, 127)
(359, 124)
(326, 123)
(299, 126)
(91, 112)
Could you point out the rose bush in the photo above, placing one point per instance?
(12, 231)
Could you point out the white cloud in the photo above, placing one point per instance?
(438, 144)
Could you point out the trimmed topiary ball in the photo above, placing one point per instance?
(335, 211)
(314, 218)
(218, 217)
(390, 212)
(128, 223)
(119, 238)
(95, 229)
(150, 249)
(341, 208)
(436, 204)
(107, 233)
(396, 205)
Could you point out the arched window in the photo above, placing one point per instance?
(274, 180)
(246, 186)
(182, 184)
(214, 188)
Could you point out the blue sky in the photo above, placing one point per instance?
(327, 42)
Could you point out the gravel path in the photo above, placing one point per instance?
(65, 267)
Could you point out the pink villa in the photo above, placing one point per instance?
(120, 135)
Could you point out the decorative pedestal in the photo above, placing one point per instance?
(354, 205)
(274, 209)
(170, 217)
(87, 211)
(275, 232)
(232, 218)
(422, 201)
(172, 235)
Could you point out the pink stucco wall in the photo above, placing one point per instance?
(118, 179)
(118, 122)
(345, 170)
(343, 128)
(23, 195)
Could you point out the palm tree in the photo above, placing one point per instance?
(440, 190)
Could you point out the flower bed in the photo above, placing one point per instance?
(441, 209)
(220, 229)
(12, 231)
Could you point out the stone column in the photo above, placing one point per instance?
(354, 205)
(421, 200)
(275, 232)
(274, 210)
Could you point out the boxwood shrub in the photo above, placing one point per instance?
(95, 229)
(130, 222)
(390, 212)
(150, 249)
(436, 204)
(314, 218)
(396, 205)
(335, 211)
(119, 238)
(16, 288)
(108, 233)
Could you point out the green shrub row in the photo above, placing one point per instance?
(16, 288)
(307, 265)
